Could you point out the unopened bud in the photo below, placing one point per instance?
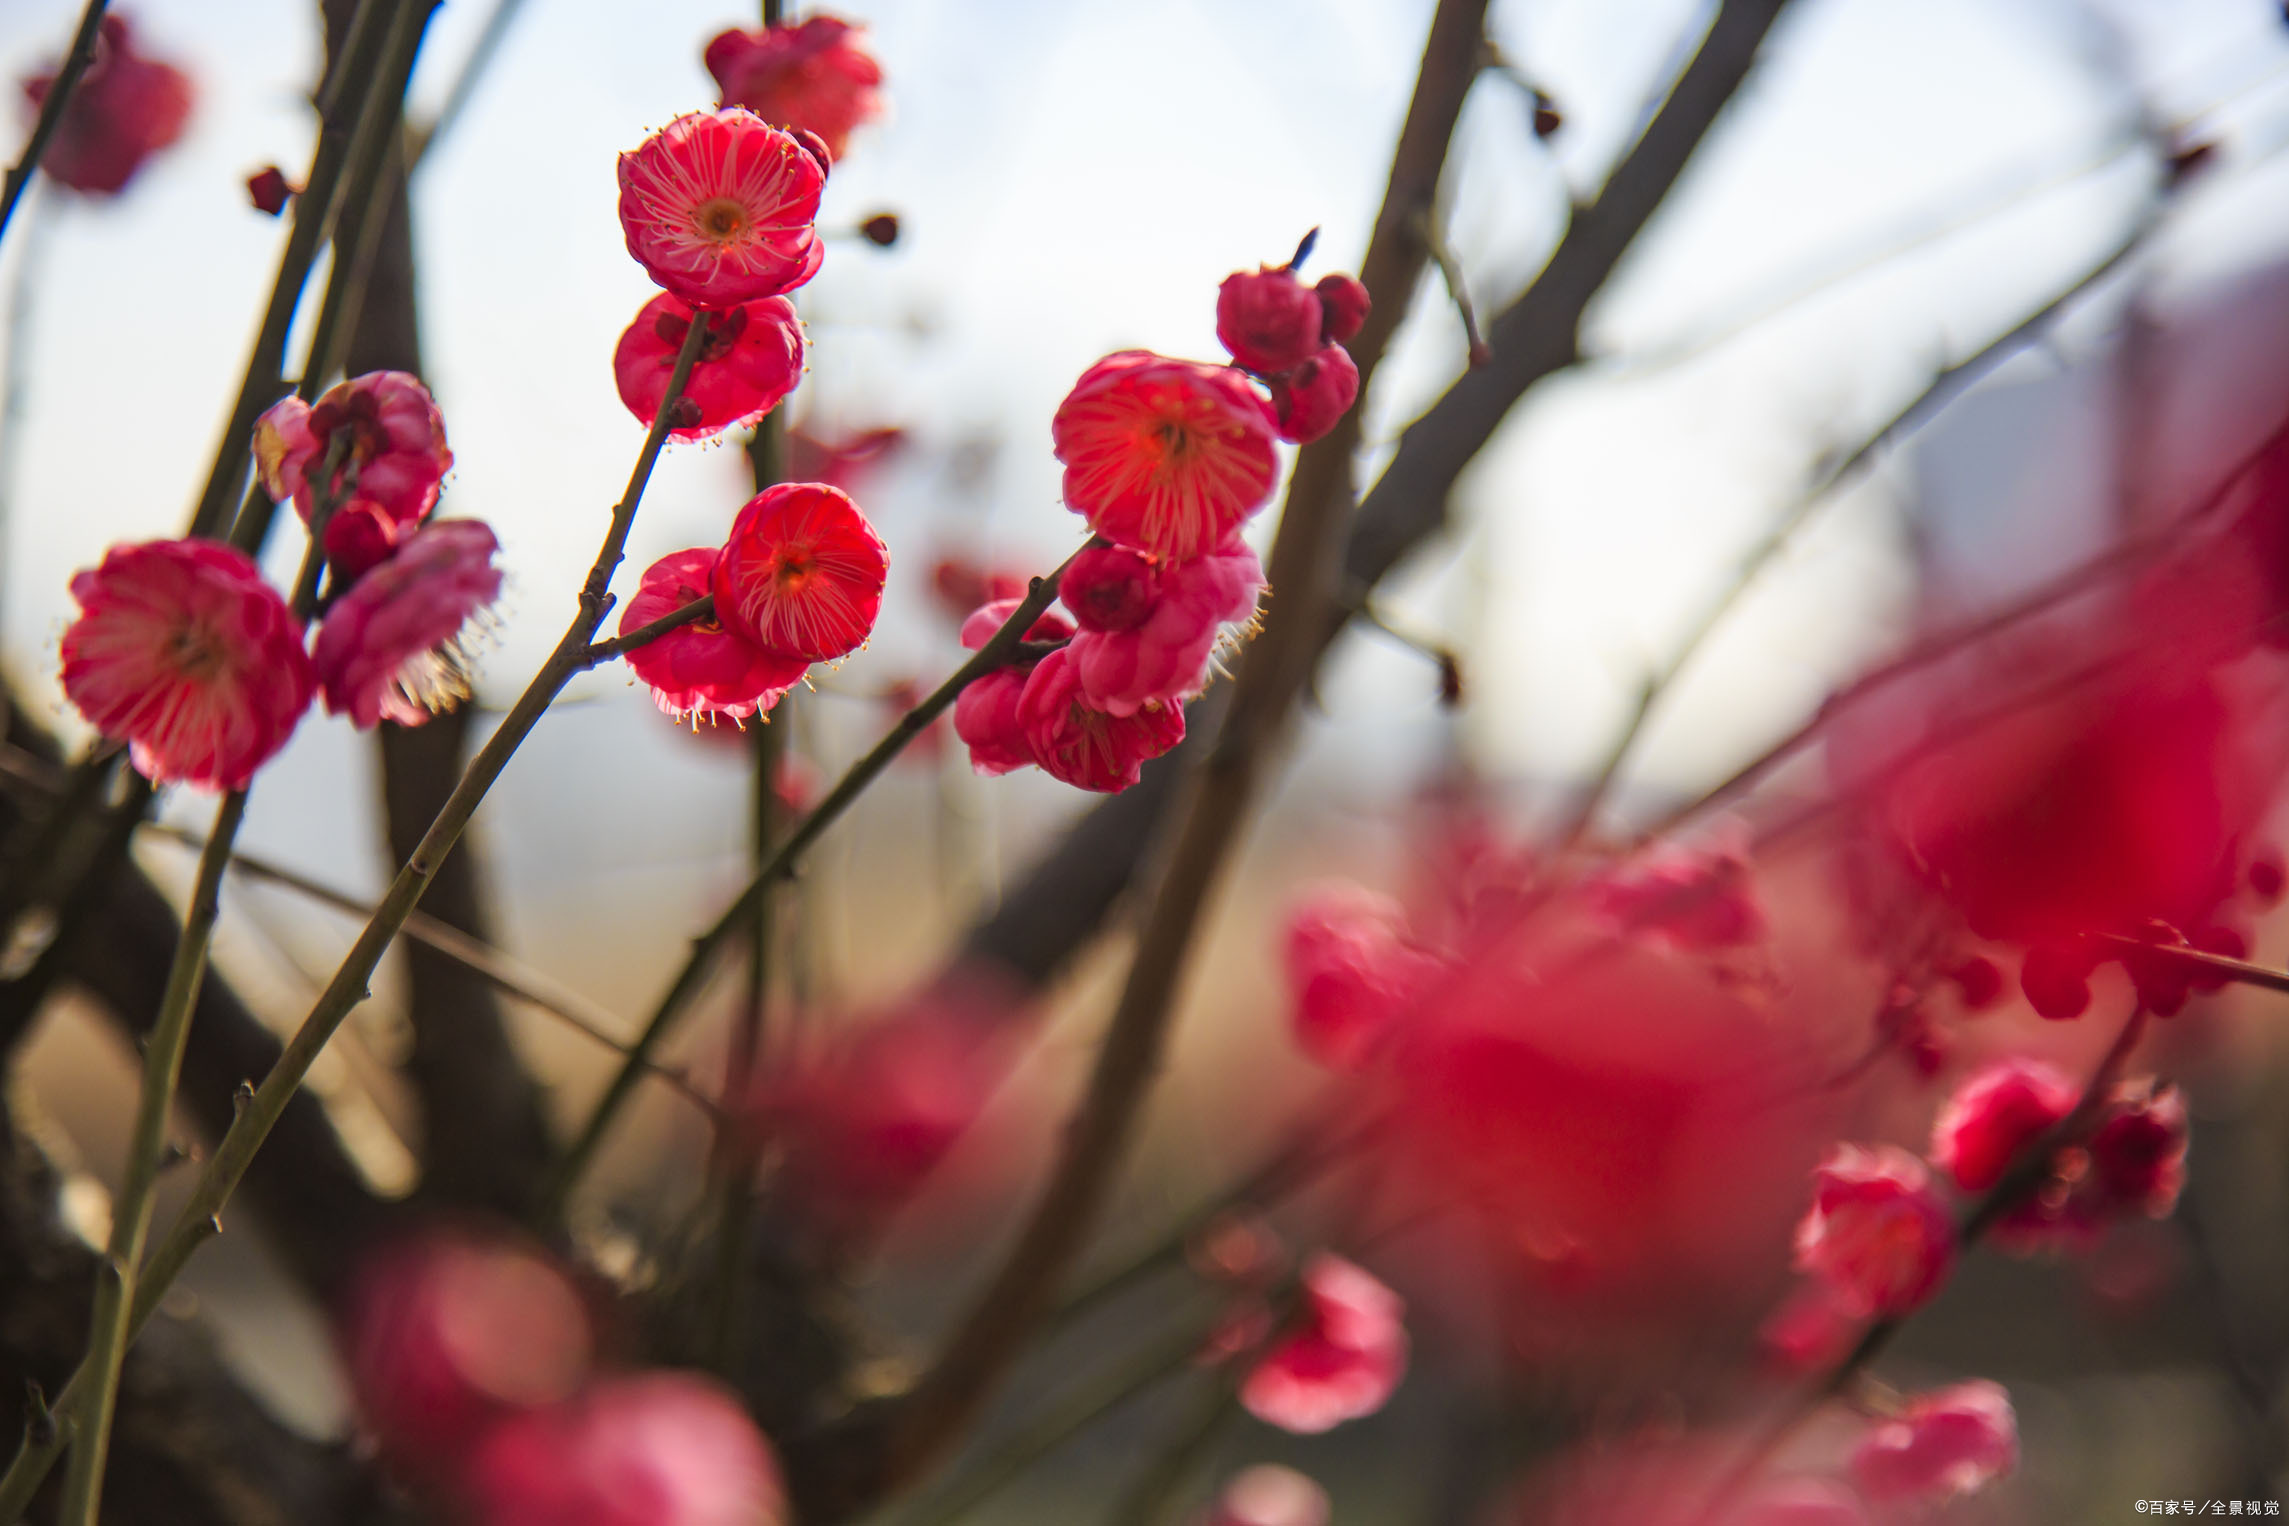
(880, 230)
(268, 189)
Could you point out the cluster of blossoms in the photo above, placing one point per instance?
(1167, 460)
(720, 208)
(126, 108)
(472, 1361)
(185, 653)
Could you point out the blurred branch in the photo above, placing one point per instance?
(464, 88)
(1044, 920)
(485, 1140)
(1942, 389)
(2122, 557)
(2028, 1170)
(200, 1218)
(192, 1447)
(739, 917)
(52, 109)
(898, 1441)
(310, 1186)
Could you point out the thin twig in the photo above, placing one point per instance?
(199, 1219)
(1220, 793)
(116, 1271)
(1942, 389)
(2029, 1169)
(601, 652)
(739, 915)
(52, 109)
(2077, 581)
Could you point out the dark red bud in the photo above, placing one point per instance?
(1979, 980)
(1547, 118)
(268, 189)
(881, 229)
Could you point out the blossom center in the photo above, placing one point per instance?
(192, 654)
(720, 220)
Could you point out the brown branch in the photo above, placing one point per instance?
(485, 1139)
(897, 1444)
(1044, 921)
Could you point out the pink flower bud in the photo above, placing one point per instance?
(802, 572)
(1994, 1116)
(392, 647)
(1876, 1233)
(986, 719)
(750, 361)
(702, 668)
(1317, 393)
(1168, 457)
(657, 1449)
(1341, 1359)
(718, 207)
(1270, 321)
(1344, 305)
(1952, 1442)
(182, 651)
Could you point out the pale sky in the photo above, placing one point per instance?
(1076, 176)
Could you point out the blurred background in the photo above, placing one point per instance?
(1894, 187)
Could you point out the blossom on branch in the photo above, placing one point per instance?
(702, 668)
(1148, 629)
(182, 651)
(752, 358)
(1341, 1359)
(986, 714)
(802, 572)
(1167, 457)
(1081, 745)
(815, 76)
(447, 1333)
(1876, 1234)
(393, 647)
(718, 207)
(390, 472)
(126, 108)
(1952, 1442)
